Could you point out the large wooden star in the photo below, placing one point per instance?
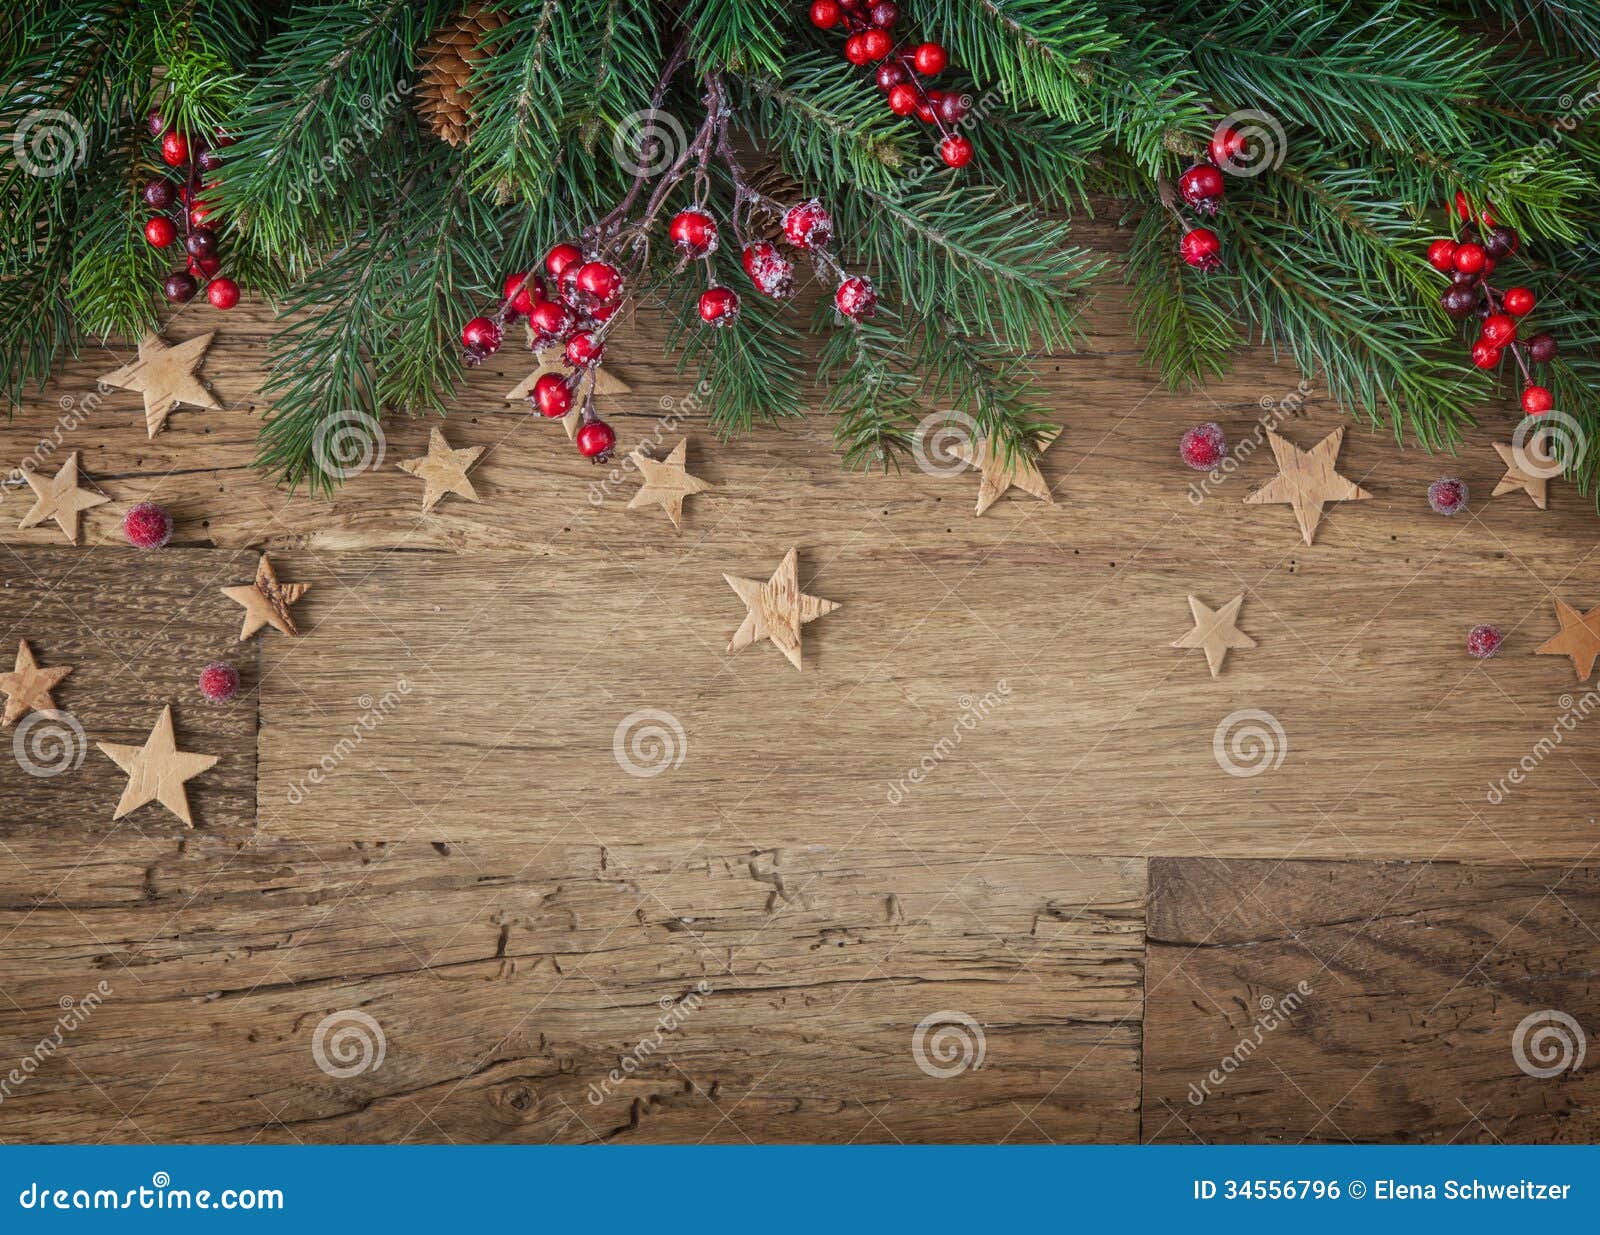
(1528, 470)
(166, 377)
(777, 609)
(666, 482)
(1307, 480)
(157, 770)
(28, 686)
(61, 499)
(1578, 638)
(266, 601)
(443, 470)
(998, 475)
(1216, 630)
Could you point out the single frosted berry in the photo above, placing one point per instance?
(147, 526)
(160, 231)
(1484, 641)
(549, 319)
(769, 270)
(1226, 145)
(559, 258)
(1518, 301)
(219, 682)
(903, 99)
(929, 59)
(179, 288)
(520, 289)
(1499, 329)
(481, 336)
(598, 283)
(807, 225)
(955, 150)
(825, 14)
(1543, 348)
(595, 440)
(1201, 188)
(1201, 248)
(1447, 496)
(604, 312)
(1485, 354)
(584, 349)
(552, 396)
(1536, 401)
(1469, 258)
(174, 149)
(1203, 447)
(856, 299)
(693, 232)
(719, 306)
(222, 293)
(157, 193)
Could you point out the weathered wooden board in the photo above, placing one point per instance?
(1420, 978)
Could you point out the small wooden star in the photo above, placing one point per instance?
(28, 686)
(1307, 480)
(1216, 630)
(666, 482)
(443, 470)
(1578, 638)
(61, 499)
(166, 377)
(1534, 456)
(266, 601)
(998, 476)
(157, 770)
(777, 609)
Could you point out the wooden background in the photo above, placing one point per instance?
(481, 877)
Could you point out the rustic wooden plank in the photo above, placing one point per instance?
(1417, 980)
(508, 979)
(137, 629)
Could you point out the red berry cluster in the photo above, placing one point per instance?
(1201, 189)
(572, 304)
(901, 72)
(1469, 259)
(195, 157)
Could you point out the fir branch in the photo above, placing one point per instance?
(1189, 333)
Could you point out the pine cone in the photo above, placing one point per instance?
(444, 90)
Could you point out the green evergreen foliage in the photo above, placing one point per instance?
(377, 240)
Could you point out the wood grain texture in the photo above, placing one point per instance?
(1419, 977)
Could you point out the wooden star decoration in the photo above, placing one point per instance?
(1307, 480)
(998, 475)
(666, 482)
(1578, 638)
(1216, 630)
(157, 770)
(601, 380)
(443, 470)
(777, 609)
(28, 686)
(1518, 474)
(60, 498)
(266, 601)
(166, 377)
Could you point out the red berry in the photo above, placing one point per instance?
(769, 270)
(519, 289)
(1484, 641)
(855, 49)
(595, 440)
(825, 14)
(956, 150)
(204, 267)
(1201, 187)
(560, 257)
(1469, 258)
(884, 14)
(903, 99)
(222, 293)
(179, 287)
(219, 682)
(1518, 301)
(481, 336)
(1442, 254)
(549, 319)
(598, 282)
(693, 232)
(1447, 496)
(147, 526)
(604, 312)
(1203, 446)
(953, 107)
(876, 43)
(807, 225)
(1201, 248)
(584, 349)
(929, 59)
(160, 231)
(719, 306)
(1226, 145)
(1536, 400)
(925, 112)
(1499, 329)
(552, 396)
(174, 149)
(856, 299)
(1485, 354)
(1542, 348)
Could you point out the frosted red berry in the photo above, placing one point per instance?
(693, 232)
(559, 258)
(1484, 641)
(519, 289)
(955, 150)
(876, 44)
(807, 225)
(147, 526)
(481, 336)
(219, 682)
(598, 282)
(1201, 248)
(1536, 401)
(769, 270)
(856, 299)
(549, 319)
(584, 349)
(1226, 145)
(1203, 447)
(1201, 187)
(595, 440)
(1447, 495)
(552, 396)
(222, 293)
(719, 306)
